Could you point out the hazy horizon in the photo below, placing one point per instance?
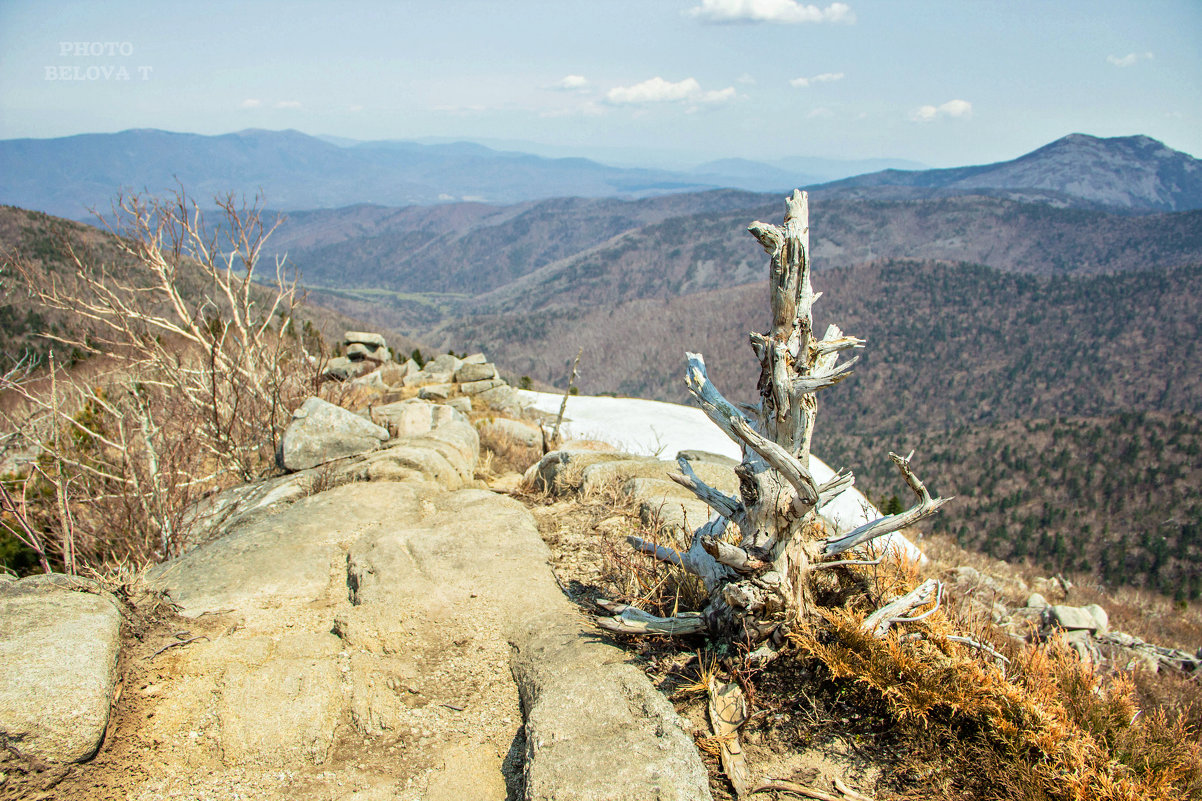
(938, 83)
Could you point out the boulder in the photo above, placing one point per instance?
(393, 374)
(446, 363)
(1036, 601)
(460, 404)
(475, 358)
(371, 341)
(59, 643)
(404, 418)
(1099, 615)
(516, 431)
(373, 381)
(618, 471)
(436, 392)
(357, 353)
(476, 387)
(668, 504)
(321, 432)
(503, 398)
(475, 372)
(1079, 618)
(341, 368)
(428, 375)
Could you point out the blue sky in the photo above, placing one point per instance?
(944, 83)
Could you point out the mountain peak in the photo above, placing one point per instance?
(1136, 172)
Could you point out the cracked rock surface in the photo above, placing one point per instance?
(376, 628)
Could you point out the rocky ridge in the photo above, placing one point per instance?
(375, 623)
(370, 625)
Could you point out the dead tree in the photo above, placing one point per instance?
(757, 554)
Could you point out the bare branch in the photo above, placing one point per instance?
(877, 624)
(925, 507)
(833, 488)
(848, 563)
(719, 501)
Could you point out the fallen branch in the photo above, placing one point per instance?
(971, 643)
(632, 620)
(878, 623)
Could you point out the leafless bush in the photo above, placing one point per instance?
(200, 367)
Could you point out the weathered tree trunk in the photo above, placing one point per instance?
(760, 585)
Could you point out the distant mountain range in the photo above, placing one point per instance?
(602, 250)
(71, 175)
(1130, 172)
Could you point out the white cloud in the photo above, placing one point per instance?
(718, 95)
(821, 112)
(657, 90)
(654, 90)
(952, 108)
(250, 102)
(571, 83)
(288, 104)
(825, 77)
(787, 11)
(1129, 60)
(745, 79)
(354, 108)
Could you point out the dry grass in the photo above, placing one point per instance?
(502, 453)
(1047, 727)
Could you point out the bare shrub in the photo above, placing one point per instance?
(199, 368)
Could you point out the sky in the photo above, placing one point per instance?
(660, 82)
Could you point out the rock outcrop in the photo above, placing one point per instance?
(374, 626)
(447, 378)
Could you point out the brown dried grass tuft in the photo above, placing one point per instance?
(505, 454)
(1046, 727)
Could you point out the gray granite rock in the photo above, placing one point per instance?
(340, 368)
(428, 375)
(436, 392)
(476, 387)
(371, 341)
(596, 729)
(1078, 618)
(446, 363)
(321, 432)
(59, 643)
(517, 431)
(475, 372)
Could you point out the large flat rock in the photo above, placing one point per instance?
(393, 640)
(59, 643)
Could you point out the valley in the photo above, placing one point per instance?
(1037, 349)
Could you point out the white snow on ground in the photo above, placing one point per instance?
(655, 428)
